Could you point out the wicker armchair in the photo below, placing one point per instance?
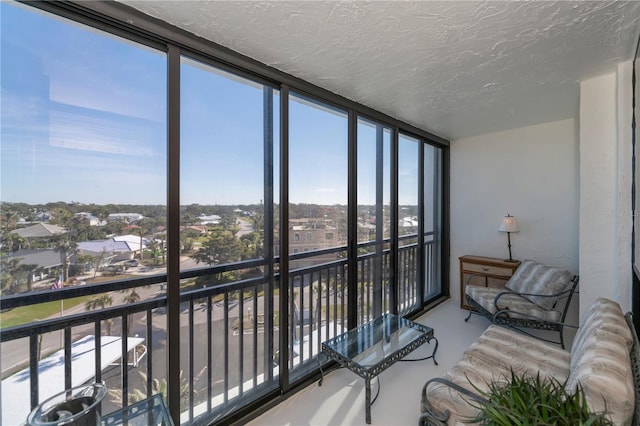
(537, 297)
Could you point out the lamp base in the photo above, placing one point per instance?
(510, 260)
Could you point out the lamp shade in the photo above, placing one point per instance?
(508, 224)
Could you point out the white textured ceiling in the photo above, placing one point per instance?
(450, 67)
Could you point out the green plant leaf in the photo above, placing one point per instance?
(521, 400)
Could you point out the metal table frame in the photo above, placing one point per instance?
(148, 412)
(369, 336)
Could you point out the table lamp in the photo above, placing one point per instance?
(509, 225)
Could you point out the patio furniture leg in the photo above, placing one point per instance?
(321, 372)
(367, 402)
(433, 355)
(468, 316)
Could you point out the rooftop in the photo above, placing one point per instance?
(40, 230)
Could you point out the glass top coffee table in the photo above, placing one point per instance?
(373, 347)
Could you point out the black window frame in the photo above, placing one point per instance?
(126, 22)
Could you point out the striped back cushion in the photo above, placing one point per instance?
(536, 278)
(600, 362)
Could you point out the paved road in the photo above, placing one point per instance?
(239, 366)
(244, 227)
(158, 354)
(14, 354)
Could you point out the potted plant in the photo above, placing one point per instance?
(531, 401)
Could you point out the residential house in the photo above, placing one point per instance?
(125, 217)
(91, 219)
(40, 230)
(115, 249)
(45, 263)
(213, 219)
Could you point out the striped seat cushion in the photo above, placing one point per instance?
(485, 297)
(601, 363)
(491, 358)
(538, 279)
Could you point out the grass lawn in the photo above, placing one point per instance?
(27, 314)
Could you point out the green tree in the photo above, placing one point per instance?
(82, 260)
(28, 270)
(62, 216)
(115, 226)
(14, 242)
(142, 228)
(253, 245)
(132, 297)
(159, 386)
(161, 238)
(153, 247)
(7, 278)
(229, 223)
(66, 248)
(16, 277)
(97, 262)
(186, 242)
(100, 301)
(220, 247)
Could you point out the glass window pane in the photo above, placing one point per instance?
(83, 184)
(408, 190)
(228, 172)
(318, 154)
(374, 225)
(223, 136)
(432, 221)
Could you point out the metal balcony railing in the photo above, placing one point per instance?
(229, 332)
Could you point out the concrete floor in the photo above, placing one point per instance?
(340, 400)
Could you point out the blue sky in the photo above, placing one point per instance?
(84, 119)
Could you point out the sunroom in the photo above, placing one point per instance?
(351, 153)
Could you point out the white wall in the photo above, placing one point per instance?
(531, 173)
(605, 195)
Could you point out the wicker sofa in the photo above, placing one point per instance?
(604, 359)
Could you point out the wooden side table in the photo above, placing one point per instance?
(484, 271)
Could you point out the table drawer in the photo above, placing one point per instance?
(487, 269)
(484, 271)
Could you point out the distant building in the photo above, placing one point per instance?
(408, 222)
(310, 234)
(132, 240)
(46, 262)
(40, 230)
(93, 221)
(115, 249)
(214, 219)
(194, 228)
(42, 216)
(125, 217)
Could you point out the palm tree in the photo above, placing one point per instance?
(82, 260)
(67, 249)
(8, 279)
(97, 262)
(153, 246)
(132, 297)
(159, 386)
(28, 270)
(100, 301)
